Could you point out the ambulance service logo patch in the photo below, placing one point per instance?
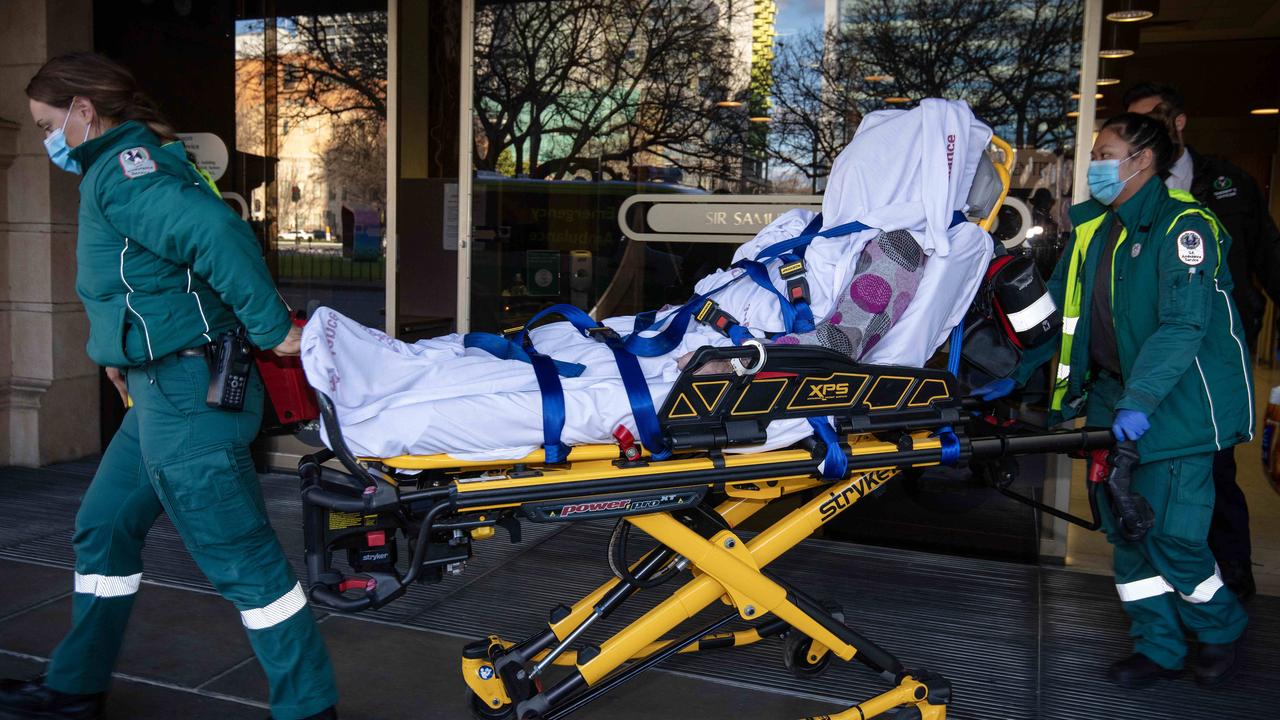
(1222, 183)
(136, 162)
(1191, 248)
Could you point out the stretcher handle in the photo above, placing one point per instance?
(1062, 441)
(376, 589)
(333, 431)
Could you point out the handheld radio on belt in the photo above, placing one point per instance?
(230, 360)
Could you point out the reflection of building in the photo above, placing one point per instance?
(315, 175)
(835, 14)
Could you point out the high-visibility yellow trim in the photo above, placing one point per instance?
(443, 461)
(1072, 303)
(1075, 283)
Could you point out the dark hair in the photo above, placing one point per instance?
(1170, 99)
(1141, 132)
(102, 81)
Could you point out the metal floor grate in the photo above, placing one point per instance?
(1017, 641)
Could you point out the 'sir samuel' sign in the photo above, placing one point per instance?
(705, 218)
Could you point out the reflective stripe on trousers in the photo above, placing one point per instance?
(1155, 586)
(281, 609)
(105, 586)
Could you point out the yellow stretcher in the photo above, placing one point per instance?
(692, 504)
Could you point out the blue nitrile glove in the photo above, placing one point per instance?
(1130, 425)
(995, 389)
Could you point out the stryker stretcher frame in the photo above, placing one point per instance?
(886, 419)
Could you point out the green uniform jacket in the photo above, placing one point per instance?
(162, 263)
(1183, 358)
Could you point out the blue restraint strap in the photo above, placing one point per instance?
(665, 341)
(641, 401)
(950, 443)
(792, 321)
(670, 336)
(801, 241)
(836, 465)
(957, 344)
(552, 407)
(804, 313)
(553, 394)
(504, 349)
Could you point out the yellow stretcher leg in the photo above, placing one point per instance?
(909, 692)
(725, 568)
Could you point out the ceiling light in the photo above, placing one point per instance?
(1130, 11)
(878, 78)
(1265, 111)
(761, 119)
(728, 104)
(1119, 40)
(1076, 96)
(897, 100)
(1108, 73)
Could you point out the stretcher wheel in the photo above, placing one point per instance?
(481, 710)
(796, 656)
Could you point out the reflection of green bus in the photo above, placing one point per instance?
(541, 242)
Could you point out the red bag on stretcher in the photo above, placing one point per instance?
(290, 397)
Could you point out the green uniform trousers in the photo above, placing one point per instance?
(177, 455)
(1169, 580)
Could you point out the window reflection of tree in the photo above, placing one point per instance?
(1013, 61)
(333, 70)
(569, 88)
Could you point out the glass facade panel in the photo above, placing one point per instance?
(580, 104)
(310, 111)
(1016, 62)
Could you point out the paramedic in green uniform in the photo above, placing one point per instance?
(163, 267)
(1152, 346)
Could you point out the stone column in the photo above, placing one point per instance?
(48, 387)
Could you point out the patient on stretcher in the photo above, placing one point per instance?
(887, 291)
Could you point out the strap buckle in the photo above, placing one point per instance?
(604, 334)
(794, 273)
(711, 314)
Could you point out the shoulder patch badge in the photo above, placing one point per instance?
(1222, 183)
(1191, 248)
(136, 162)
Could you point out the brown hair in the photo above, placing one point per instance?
(102, 81)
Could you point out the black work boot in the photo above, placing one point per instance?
(326, 714)
(33, 700)
(1216, 663)
(1138, 671)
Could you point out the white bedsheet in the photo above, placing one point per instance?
(434, 396)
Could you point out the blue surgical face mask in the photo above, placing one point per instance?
(1105, 184)
(56, 145)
